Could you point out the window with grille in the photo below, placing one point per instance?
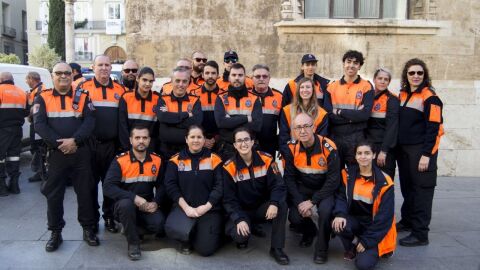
(355, 9)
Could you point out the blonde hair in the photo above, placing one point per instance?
(297, 103)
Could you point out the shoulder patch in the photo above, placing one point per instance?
(228, 162)
(292, 141)
(122, 154)
(265, 154)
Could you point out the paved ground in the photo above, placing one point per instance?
(454, 239)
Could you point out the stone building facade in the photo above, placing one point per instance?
(446, 34)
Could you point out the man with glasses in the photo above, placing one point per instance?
(65, 119)
(186, 64)
(229, 59)
(199, 60)
(312, 175)
(234, 108)
(271, 100)
(105, 95)
(129, 75)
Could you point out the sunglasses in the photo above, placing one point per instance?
(419, 73)
(132, 70)
(230, 60)
(261, 77)
(204, 60)
(60, 73)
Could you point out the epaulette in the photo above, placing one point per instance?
(327, 145)
(275, 90)
(292, 141)
(175, 156)
(46, 90)
(155, 154)
(265, 154)
(122, 154)
(228, 162)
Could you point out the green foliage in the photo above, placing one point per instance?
(9, 58)
(56, 26)
(43, 56)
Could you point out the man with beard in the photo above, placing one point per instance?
(234, 108)
(129, 75)
(229, 59)
(208, 94)
(130, 181)
(198, 63)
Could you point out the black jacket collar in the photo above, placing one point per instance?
(148, 156)
(357, 80)
(98, 85)
(215, 90)
(317, 146)
(8, 82)
(57, 94)
(256, 160)
(185, 154)
(138, 97)
(184, 98)
(268, 93)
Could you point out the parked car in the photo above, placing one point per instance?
(19, 73)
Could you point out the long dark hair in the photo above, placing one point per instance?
(426, 75)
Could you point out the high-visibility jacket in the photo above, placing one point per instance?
(198, 80)
(78, 81)
(271, 107)
(320, 86)
(354, 99)
(207, 100)
(312, 174)
(173, 117)
(105, 99)
(223, 81)
(231, 113)
(197, 178)
(421, 120)
(381, 233)
(383, 122)
(167, 88)
(320, 125)
(13, 105)
(128, 177)
(248, 187)
(34, 92)
(58, 116)
(135, 110)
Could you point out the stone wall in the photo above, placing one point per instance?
(443, 33)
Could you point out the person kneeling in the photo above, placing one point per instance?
(193, 181)
(254, 192)
(364, 211)
(130, 181)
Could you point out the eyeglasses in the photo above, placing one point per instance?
(419, 73)
(261, 77)
(244, 140)
(230, 60)
(132, 70)
(204, 60)
(304, 127)
(60, 73)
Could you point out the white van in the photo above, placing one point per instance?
(19, 73)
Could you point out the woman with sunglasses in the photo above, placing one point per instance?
(254, 192)
(365, 210)
(420, 129)
(304, 101)
(382, 127)
(193, 180)
(137, 108)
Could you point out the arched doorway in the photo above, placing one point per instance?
(116, 54)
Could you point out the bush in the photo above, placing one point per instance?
(43, 56)
(9, 58)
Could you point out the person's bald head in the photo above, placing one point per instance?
(6, 76)
(62, 77)
(102, 67)
(303, 128)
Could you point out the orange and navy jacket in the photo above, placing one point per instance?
(198, 80)
(312, 173)
(78, 81)
(207, 100)
(134, 110)
(232, 111)
(321, 85)
(223, 81)
(320, 124)
(245, 188)
(127, 177)
(354, 99)
(421, 120)
(34, 92)
(13, 105)
(381, 233)
(271, 107)
(172, 114)
(168, 87)
(382, 125)
(197, 178)
(57, 116)
(105, 99)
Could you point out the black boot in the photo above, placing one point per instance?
(110, 225)
(13, 186)
(90, 237)
(134, 252)
(279, 256)
(3, 188)
(54, 242)
(37, 177)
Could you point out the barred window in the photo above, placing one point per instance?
(355, 9)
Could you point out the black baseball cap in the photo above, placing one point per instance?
(230, 54)
(76, 67)
(309, 58)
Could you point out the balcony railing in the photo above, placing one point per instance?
(9, 32)
(83, 25)
(83, 56)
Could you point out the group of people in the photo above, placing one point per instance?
(197, 162)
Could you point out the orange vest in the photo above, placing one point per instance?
(33, 93)
(379, 109)
(389, 242)
(168, 87)
(185, 165)
(207, 98)
(348, 95)
(224, 84)
(244, 174)
(272, 104)
(99, 98)
(172, 105)
(12, 97)
(53, 104)
(133, 173)
(134, 107)
(246, 104)
(316, 122)
(318, 162)
(78, 81)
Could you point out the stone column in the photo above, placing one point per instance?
(69, 31)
